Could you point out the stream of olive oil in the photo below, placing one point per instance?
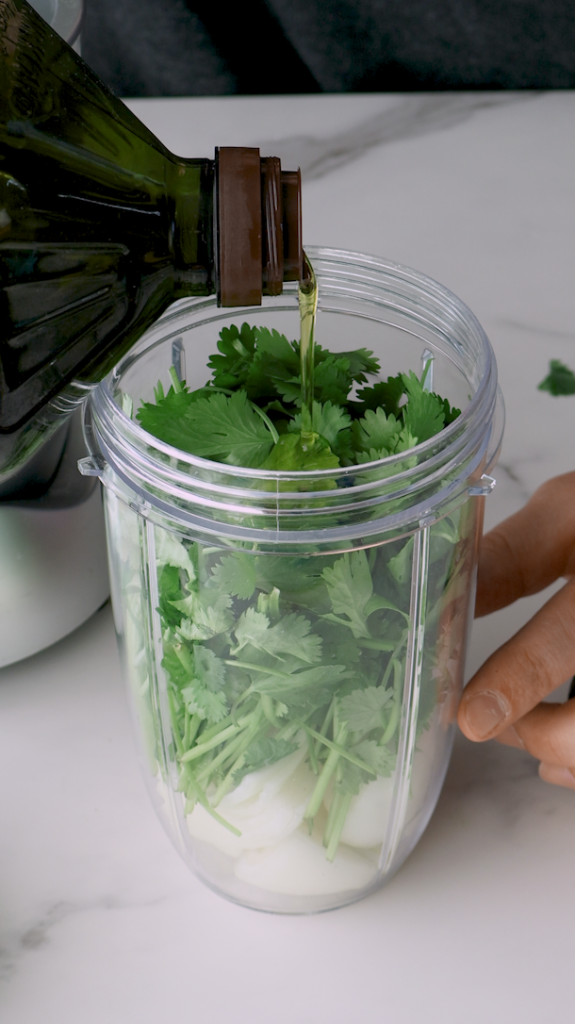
(307, 297)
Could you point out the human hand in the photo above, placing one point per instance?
(522, 556)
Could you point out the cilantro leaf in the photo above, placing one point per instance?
(363, 709)
(404, 442)
(235, 574)
(560, 379)
(289, 455)
(376, 431)
(424, 415)
(332, 423)
(171, 551)
(205, 676)
(333, 379)
(200, 701)
(205, 615)
(209, 668)
(328, 420)
(159, 417)
(385, 394)
(401, 564)
(218, 427)
(275, 361)
(350, 587)
(450, 413)
(236, 347)
(291, 635)
(289, 574)
(170, 591)
(263, 752)
(361, 362)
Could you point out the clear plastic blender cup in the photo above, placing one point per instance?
(294, 643)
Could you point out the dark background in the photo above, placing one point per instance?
(255, 47)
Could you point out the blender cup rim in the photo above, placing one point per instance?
(470, 442)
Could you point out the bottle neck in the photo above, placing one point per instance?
(235, 224)
(257, 226)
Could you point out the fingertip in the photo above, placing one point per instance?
(481, 715)
(511, 738)
(557, 775)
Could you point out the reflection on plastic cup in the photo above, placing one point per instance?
(64, 16)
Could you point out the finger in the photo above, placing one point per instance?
(556, 739)
(557, 776)
(518, 675)
(511, 738)
(531, 549)
(548, 732)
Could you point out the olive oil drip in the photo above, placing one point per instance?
(307, 297)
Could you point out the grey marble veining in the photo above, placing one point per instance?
(409, 117)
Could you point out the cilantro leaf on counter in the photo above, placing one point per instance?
(560, 379)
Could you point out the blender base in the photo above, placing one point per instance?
(53, 564)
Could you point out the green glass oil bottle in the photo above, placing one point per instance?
(101, 228)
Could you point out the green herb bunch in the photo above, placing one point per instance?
(267, 655)
(249, 413)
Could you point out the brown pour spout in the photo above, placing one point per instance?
(258, 225)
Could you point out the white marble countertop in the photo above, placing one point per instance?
(100, 921)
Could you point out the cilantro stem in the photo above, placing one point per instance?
(215, 730)
(185, 658)
(312, 754)
(176, 382)
(202, 748)
(341, 751)
(228, 781)
(246, 740)
(203, 800)
(229, 750)
(269, 711)
(335, 822)
(327, 720)
(322, 784)
(376, 645)
(174, 723)
(235, 746)
(267, 422)
(394, 657)
(257, 668)
(288, 731)
(193, 723)
(394, 716)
